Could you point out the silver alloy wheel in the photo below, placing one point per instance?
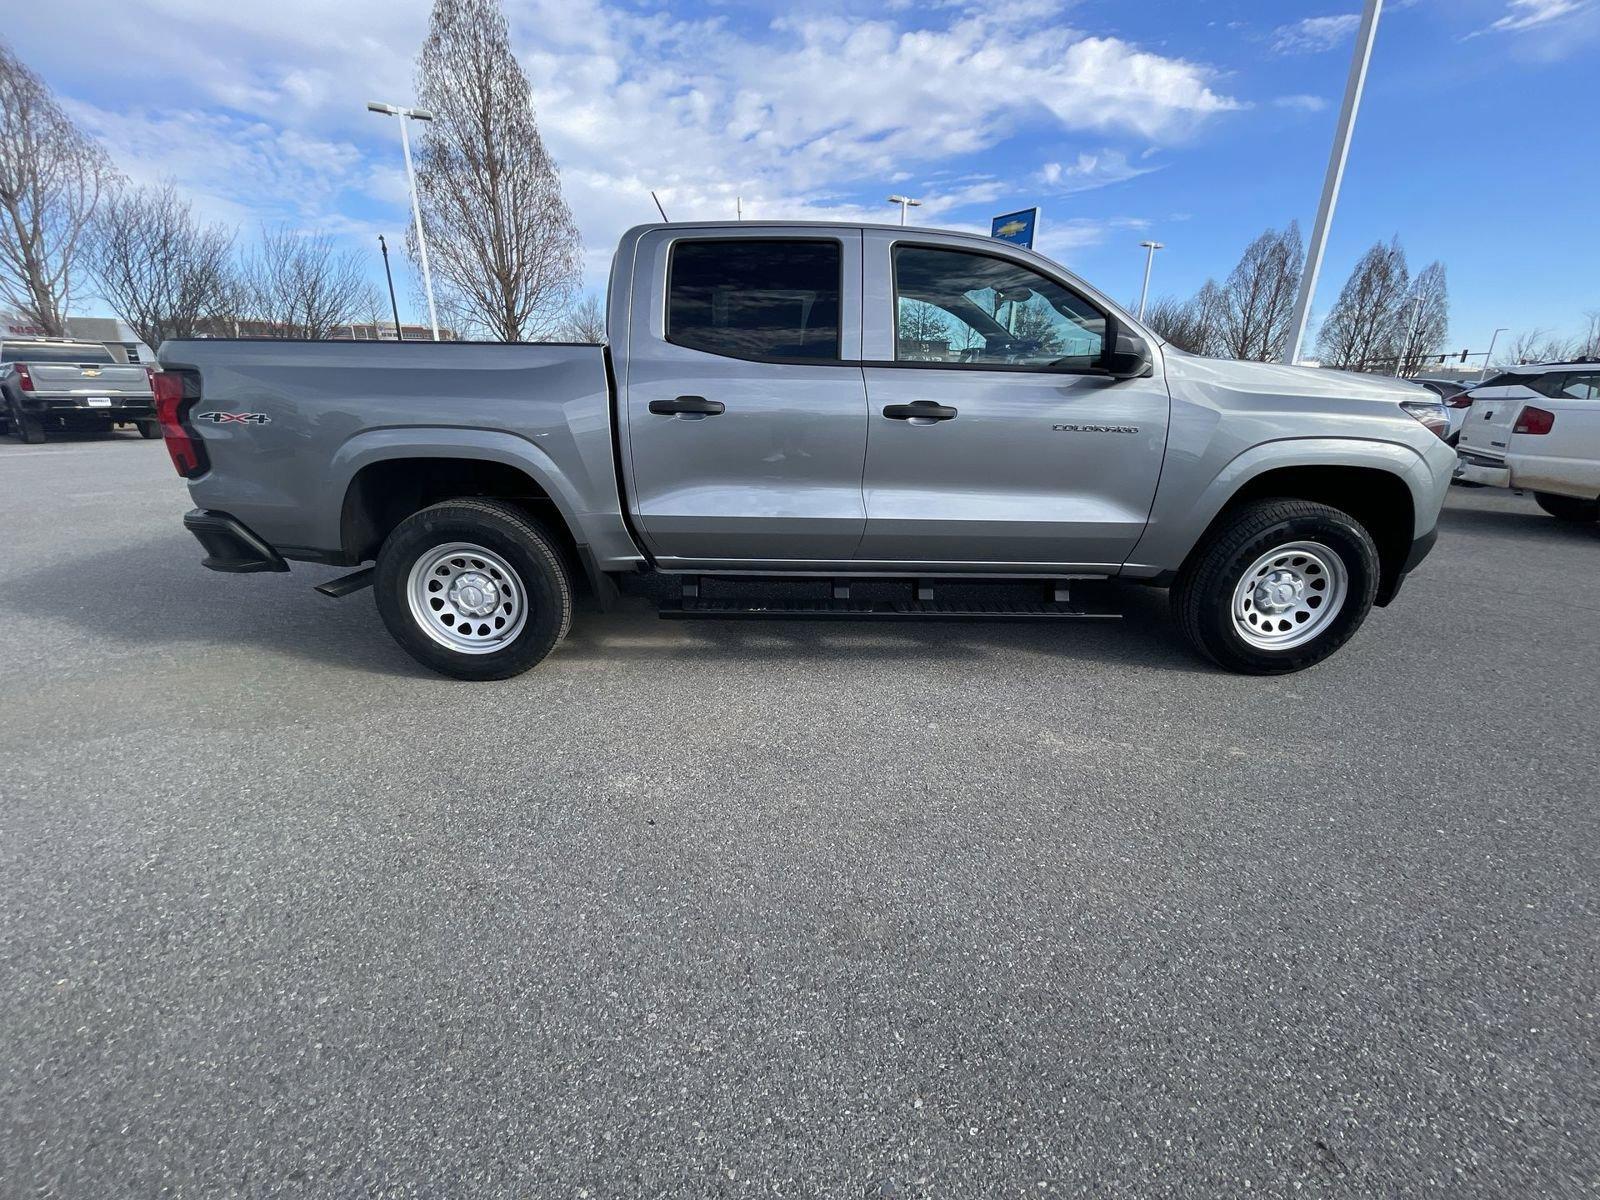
(1290, 595)
(466, 598)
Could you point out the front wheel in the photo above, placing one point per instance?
(1569, 508)
(1277, 586)
(474, 588)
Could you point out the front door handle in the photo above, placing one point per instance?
(919, 410)
(697, 406)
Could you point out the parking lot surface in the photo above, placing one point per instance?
(794, 909)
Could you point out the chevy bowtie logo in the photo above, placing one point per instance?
(227, 418)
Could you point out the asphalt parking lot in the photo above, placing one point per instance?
(809, 910)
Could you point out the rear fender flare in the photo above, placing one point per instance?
(383, 445)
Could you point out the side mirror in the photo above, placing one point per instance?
(1127, 356)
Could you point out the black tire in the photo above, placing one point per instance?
(1202, 599)
(149, 428)
(520, 542)
(1569, 508)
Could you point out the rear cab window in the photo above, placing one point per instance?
(54, 352)
(766, 300)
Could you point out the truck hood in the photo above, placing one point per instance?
(1280, 380)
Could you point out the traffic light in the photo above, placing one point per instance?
(1463, 356)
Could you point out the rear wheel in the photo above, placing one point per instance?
(474, 588)
(25, 428)
(1568, 508)
(1277, 586)
(149, 428)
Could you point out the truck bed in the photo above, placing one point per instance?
(287, 426)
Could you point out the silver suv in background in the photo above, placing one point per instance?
(53, 384)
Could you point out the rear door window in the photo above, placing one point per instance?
(760, 299)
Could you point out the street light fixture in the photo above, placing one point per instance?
(413, 114)
(904, 202)
(1357, 81)
(1149, 258)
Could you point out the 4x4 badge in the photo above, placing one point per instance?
(225, 418)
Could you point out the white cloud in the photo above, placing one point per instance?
(1092, 170)
(1314, 34)
(1301, 103)
(257, 108)
(1531, 14)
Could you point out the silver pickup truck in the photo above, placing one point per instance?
(74, 386)
(844, 409)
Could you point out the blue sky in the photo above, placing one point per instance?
(1195, 122)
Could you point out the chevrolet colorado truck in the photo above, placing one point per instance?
(837, 408)
(76, 386)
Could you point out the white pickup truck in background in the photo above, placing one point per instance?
(1537, 428)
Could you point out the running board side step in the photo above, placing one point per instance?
(689, 609)
(338, 589)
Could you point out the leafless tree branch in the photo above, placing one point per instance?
(158, 268)
(51, 178)
(501, 240)
(300, 284)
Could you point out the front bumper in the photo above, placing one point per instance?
(1420, 549)
(231, 545)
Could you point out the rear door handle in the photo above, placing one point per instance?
(919, 410)
(697, 406)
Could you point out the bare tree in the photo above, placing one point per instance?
(1191, 324)
(1588, 344)
(51, 177)
(501, 240)
(921, 330)
(303, 288)
(1427, 318)
(1536, 346)
(1365, 327)
(158, 268)
(585, 321)
(1257, 300)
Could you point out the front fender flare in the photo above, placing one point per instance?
(1180, 515)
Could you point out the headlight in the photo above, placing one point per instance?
(1431, 413)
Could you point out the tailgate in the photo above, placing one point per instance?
(1487, 429)
(70, 379)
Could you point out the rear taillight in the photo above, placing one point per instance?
(1534, 420)
(150, 376)
(24, 380)
(172, 406)
(1460, 400)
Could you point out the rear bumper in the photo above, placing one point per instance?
(1470, 470)
(231, 545)
(121, 408)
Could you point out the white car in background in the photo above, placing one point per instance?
(1537, 428)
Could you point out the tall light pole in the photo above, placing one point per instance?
(1484, 374)
(1353, 87)
(1149, 258)
(413, 114)
(904, 202)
